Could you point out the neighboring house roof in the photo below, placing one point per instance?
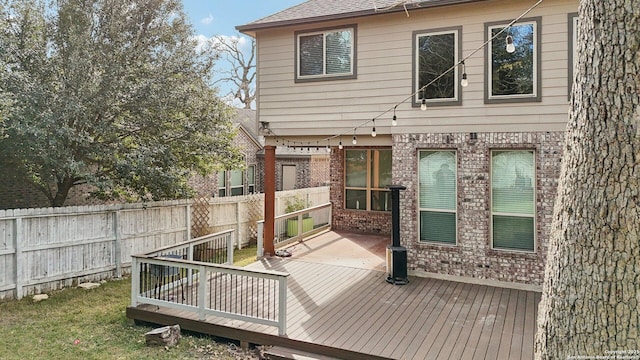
(324, 10)
(246, 120)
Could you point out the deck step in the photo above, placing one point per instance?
(283, 353)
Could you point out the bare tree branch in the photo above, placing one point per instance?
(238, 70)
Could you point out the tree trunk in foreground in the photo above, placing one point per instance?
(591, 297)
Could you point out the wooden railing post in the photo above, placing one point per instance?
(282, 306)
(203, 284)
(135, 281)
(260, 251)
(230, 242)
(190, 271)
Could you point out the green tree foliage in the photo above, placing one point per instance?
(108, 93)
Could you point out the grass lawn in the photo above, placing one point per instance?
(91, 324)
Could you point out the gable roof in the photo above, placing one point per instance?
(324, 10)
(245, 120)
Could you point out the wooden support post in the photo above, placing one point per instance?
(269, 198)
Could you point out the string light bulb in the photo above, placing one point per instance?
(373, 132)
(394, 120)
(423, 105)
(464, 82)
(355, 139)
(340, 144)
(511, 47)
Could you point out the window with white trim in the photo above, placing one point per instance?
(513, 200)
(513, 76)
(251, 179)
(222, 183)
(436, 52)
(326, 54)
(367, 175)
(437, 195)
(237, 182)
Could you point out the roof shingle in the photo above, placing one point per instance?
(322, 10)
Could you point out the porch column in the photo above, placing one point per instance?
(269, 198)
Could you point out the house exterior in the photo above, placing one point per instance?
(480, 163)
(295, 169)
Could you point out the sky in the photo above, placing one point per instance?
(220, 17)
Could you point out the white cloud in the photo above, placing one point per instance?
(208, 20)
(201, 41)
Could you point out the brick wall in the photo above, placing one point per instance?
(17, 194)
(472, 256)
(249, 149)
(319, 169)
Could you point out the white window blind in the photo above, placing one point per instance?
(513, 199)
(438, 194)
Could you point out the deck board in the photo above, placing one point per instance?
(480, 326)
(343, 311)
(411, 304)
(354, 313)
(421, 311)
(455, 348)
(447, 336)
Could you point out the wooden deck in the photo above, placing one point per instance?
(350, 312)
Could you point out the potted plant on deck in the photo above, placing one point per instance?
(296, 204)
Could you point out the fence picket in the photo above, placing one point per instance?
(45, 249)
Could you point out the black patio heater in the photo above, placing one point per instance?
(396, 254)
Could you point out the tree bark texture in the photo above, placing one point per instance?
(591, 295)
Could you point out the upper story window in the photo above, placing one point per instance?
(326, 54)
(513, 62)
(436, 52)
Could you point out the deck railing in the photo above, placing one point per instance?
(295, 226)
(185, 277)
(213, 248)
(218, 290)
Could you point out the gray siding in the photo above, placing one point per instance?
(384, 67)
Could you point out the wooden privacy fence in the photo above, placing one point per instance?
(242, 213)
(51, 248)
